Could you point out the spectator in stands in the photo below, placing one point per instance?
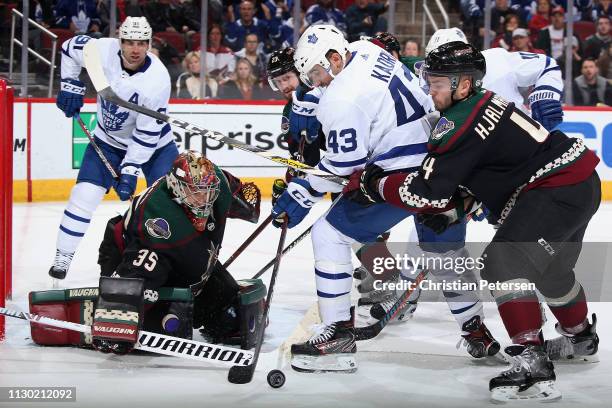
(576, 58)
(600, 41)
(582, 8)
(220, 60)
(364, 19)
(603, 7)
(540, 19)
(169, 56)
(253, 52)
(499, 14)
(124, 9)
(243, 84)
(504, 39)
(80, 17)
(188, 84)
(236, 32)
(591, 89)
(604, 63)
(163, 15)
(324, 12)
(550, 39)
(412, 48)
(522, 42)
(41, 11)
(280, 9)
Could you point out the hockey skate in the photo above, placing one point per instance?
(405, 312)
(331, 349)
(479, 341)
(531, 377)
(61, 263)
(581, 347)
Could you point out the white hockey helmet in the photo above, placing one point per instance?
(312, 47)
(135, 28)
(444, 36)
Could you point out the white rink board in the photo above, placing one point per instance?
(255, 124)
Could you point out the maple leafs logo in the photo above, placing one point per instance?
(112, 117)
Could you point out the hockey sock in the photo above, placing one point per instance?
(571, 309)
(84, 199)
(520, 311)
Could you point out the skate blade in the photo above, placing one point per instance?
(543, 391)
(339, 363)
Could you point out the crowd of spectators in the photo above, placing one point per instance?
(539, 26)
(242, 32)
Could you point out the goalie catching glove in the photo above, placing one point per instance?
(295, 203)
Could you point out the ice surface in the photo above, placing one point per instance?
(413, 364)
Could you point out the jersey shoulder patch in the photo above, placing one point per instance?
(162, 222)
(455, 122)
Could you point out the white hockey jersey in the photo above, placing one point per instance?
(371, 113)
(138, 134)
(509, 71)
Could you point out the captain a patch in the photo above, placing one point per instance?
(158, 228)
(442, 127)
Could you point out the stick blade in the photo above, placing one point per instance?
(93, 64)
(240, 374)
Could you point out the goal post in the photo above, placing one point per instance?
(6, 201)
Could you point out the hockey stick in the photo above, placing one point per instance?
(287, 249)
(371, 331)
(99, 151)
(93, 64)
(248, 241)
(242, 374)
(154, 342)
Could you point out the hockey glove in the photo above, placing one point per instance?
(546, 111)
(70, 96)
(278, 188)
(295, 203)
(363, 185)
(303, 117)
(438, 223)
(118, 314)
(127, 181)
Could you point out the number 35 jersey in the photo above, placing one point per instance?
(487, 146)
(371, 112)
(149, 86)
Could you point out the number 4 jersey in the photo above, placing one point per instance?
(492, 149)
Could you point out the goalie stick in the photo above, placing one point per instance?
(371, 331)
(242, 374)
(93, 64)
(154, 342)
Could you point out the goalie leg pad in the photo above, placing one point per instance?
(73, 305)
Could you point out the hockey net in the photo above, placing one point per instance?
(6, 201)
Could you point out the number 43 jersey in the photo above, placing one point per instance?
(487, 146)
(372, 112)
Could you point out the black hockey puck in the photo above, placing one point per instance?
(276, 378)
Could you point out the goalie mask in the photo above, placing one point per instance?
(194, 183)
